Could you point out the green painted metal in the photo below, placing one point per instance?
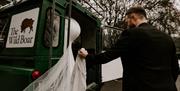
(18, 64)
(17, 70)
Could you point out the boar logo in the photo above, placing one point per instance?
(27, 23)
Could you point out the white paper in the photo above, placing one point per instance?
(112, 70)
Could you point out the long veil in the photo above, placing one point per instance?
(66, 74)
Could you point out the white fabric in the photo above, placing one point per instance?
(65, 75)
(78, 78)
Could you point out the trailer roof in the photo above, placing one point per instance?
(4, 2)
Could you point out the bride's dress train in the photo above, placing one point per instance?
(65, 75)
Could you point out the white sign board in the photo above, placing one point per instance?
(112, 70)
(23, 29)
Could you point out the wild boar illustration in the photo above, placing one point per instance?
(27, 23)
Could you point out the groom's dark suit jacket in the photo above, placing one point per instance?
(148, 58)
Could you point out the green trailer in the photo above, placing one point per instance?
(30, 44)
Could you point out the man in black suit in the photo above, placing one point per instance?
(148, 55)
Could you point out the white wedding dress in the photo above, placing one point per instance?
(65, 75)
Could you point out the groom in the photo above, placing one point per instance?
(148, 55)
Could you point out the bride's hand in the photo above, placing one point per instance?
(83, 52)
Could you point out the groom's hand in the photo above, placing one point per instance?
(83, 53)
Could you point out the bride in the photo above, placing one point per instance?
(65, 75)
